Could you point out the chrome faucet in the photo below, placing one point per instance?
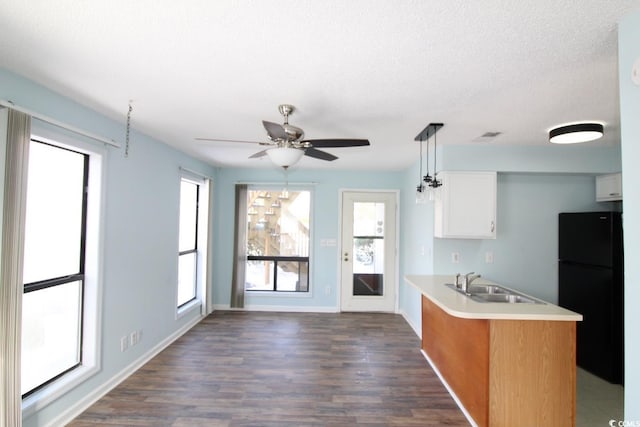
(466, 281)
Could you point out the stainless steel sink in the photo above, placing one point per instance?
(494, 293)
(480, 289)
(504, 298)
(487, 289)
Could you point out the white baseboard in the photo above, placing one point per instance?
(416, 328)
(279, 308)
(82, 405)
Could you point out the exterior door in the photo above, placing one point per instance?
(368, 251)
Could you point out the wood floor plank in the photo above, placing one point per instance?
(237, 369)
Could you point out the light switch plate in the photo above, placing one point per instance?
(635, 72)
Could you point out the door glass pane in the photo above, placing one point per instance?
(368, 248)
(50, 333)
(186, 278)
(54, 213)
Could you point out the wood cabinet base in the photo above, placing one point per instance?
(505, 372)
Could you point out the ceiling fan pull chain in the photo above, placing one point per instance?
(285, 192)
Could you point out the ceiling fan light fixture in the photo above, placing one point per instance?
(576, 133)
(285, 156)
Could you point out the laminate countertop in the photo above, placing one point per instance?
(459, 305)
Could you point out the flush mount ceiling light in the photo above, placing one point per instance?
(285, 156)
(573, 134)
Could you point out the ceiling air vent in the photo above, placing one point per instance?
(487, 137)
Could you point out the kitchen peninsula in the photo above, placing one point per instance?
(507, 364)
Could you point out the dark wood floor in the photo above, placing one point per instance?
(284, 369)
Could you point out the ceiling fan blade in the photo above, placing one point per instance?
(259, 154)
(274, 130)
(318, 154)
(328, 143)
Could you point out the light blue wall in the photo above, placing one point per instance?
(525, 252)
(325, 219)
(140, 232)
(416, 245)
(629, 52)
(583, 158)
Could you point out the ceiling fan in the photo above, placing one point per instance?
(287, 145)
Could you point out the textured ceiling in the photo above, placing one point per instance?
(376, 69)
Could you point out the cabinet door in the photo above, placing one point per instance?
(466, 205)
(609, 187)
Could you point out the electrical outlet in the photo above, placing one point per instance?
(135, 337)
(124, 343)
(488, 257)
(455, 257)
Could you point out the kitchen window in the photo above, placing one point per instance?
(277, 240)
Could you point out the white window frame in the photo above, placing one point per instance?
(199, 303)
(92, 306)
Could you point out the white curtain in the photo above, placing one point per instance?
(239, 250)
(18, 136)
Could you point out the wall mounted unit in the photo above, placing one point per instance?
(609, 187)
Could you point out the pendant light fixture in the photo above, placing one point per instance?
(576, 133)
(432, 181)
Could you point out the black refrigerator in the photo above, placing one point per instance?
(591, 282)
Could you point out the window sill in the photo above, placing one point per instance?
(41, 398)
(286, 294)
(188, 308)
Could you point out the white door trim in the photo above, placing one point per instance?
(396, 275)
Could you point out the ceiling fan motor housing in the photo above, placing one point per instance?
(293, 133)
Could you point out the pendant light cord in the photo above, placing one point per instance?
(427, 177)
(420, 173)
(435, 154)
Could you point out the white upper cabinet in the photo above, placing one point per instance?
(609, 187)
(465, 207)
